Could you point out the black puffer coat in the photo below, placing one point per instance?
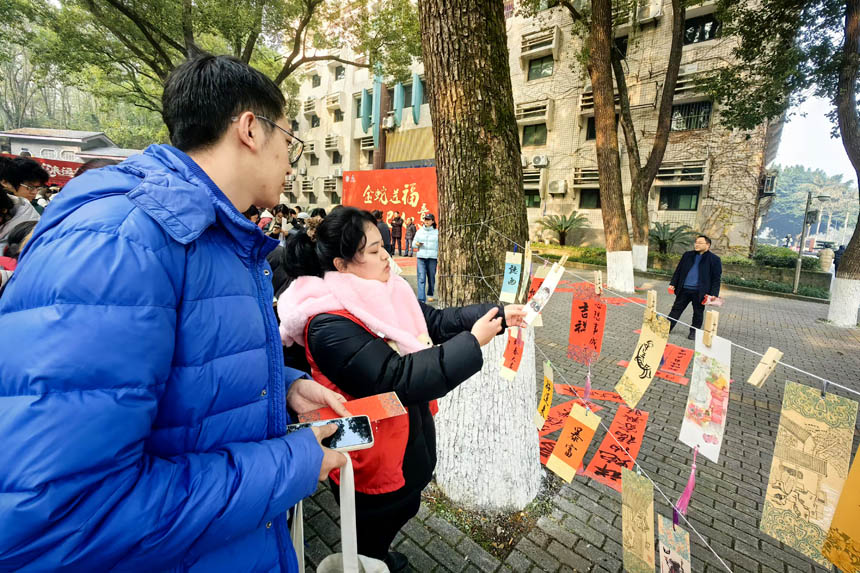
(362, 364)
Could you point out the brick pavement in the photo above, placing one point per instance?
(583, 530)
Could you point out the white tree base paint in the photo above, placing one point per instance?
(487, 444)
(844, 302)
(640, 257)
(619, 271)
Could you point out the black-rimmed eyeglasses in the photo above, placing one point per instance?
(295, 146)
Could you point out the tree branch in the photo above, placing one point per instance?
(191, 48)
(144, 28)
(574, 13)
(253, 34)
(626, 121)
(288, 68)
(846, 99)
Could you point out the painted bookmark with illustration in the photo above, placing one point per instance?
(646, 360)
(637, 522)
(708, 402)
(674, 551)
(809, 468)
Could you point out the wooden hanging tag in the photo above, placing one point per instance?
(765, 367)
(598, 282)
(712, 320)
(651, 306)
(563, 260)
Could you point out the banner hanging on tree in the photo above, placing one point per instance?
(513, 354)
(625, 433)
(842, 546)
(537, 302)
(587, 320)
(646, 359)
(511, 280)
(637, 523)
(546, 448)
(809, 468)
(558, 414)
(576, 434)
(526, 274)
(546, 396)
(602, 395)
(707, 404)
(535, 284)
(674, 547)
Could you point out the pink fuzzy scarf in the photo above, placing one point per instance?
(389, 309)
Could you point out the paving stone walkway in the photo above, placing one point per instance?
(583, 530)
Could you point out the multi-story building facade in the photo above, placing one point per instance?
(711, 178)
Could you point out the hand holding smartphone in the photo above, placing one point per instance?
(353, 433)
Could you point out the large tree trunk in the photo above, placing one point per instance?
(619, 257)
(487, 422)
(845, 291)
(642, 177)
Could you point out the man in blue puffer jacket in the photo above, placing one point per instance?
(143, 398)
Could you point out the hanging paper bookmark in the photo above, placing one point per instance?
(707, 405)
(646, 360)
(513, 354)
(543, 294)
(576, 434)
(534, 286)
(511, 280)
(842, 546)
(637, 522)
(674, 547)
(587, 320)
(546, 396)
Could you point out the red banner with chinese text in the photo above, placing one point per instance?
(60, 171)
(411, 191)
(587, 319)
(625, 433)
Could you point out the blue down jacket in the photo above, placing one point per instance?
(142, 387)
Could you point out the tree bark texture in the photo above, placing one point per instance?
(845, 295)
(488, 446)
(478, 171)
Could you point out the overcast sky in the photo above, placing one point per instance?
(806, 141)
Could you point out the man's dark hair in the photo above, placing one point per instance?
(377, 214)
(318, 212)
(707, 239)
(24, 169)
(95, 163)
(340, 235)
(251, 211)
(204, 93)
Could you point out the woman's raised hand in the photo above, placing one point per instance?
(515, 315)
(488, 326)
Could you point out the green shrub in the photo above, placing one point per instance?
(783, 257)
(772, 286)
(738, 260)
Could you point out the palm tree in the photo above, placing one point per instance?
(563, 224)
(666, 238)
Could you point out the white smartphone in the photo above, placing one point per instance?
(353, 433)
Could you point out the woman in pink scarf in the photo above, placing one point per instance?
(365, 333)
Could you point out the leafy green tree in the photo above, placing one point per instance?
(562, 225)
(133, 46)
(786, 50)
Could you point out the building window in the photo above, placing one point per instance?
(679, 198)
(338, 116)
(702, 29)
(540, 68)
(314, 159)
(407, 95)
(370, 156)
(294, 125)
(335, 199)
(534, 134)
(689, 116)
(591, 128)
(315, 121)
(339, 73)
(48, 153)
(357, 101)
(532, 198)
(336, 159)
(423, 92)
(67, 156)
(316, 81)
(589, 199)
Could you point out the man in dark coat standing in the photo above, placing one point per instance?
(397, 233)
(383, 230)
(697, 275)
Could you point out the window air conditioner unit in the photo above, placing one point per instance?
(388, 123)
(303, 171)
(338, 172)
(292, 177)
(540, 160)
(524, 160)
(557, 187)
